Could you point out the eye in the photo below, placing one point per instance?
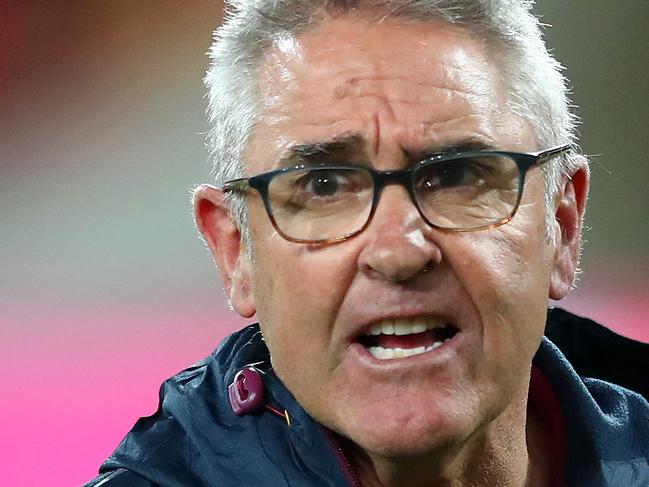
(320, 188)
(323, 183)
(330, 184)
(452, 174)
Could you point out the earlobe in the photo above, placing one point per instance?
(224, 241)
(569, 217)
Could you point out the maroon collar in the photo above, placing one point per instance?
(544, 402)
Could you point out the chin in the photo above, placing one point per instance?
(409, 433)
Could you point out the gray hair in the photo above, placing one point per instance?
(532, 77)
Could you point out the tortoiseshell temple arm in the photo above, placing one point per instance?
(546, 155)
(241, 184)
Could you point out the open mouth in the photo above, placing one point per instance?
(398, 338)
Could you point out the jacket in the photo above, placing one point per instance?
(195, 439)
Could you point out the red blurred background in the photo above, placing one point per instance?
(105, 288)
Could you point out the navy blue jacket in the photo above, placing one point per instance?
(195, 439)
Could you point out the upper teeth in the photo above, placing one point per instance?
(403, 327)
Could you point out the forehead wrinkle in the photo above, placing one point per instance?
(284, 102)
(431, 124)
(431, 128)
(390, 87)
(376, 135)
(353, 85)
(289, 68)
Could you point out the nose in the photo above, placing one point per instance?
(400, 243)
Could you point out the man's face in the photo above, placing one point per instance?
(403, 90)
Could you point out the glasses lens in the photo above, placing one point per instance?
(321, 203)
(468, 192)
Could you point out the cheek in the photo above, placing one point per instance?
(506, 272)
(298, 292)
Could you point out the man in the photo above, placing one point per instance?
(397, 196)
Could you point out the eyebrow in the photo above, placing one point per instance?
(330, 150)
(324, 151)
(470, 144)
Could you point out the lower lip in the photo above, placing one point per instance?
(436, 357)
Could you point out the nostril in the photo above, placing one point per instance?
(399, 264)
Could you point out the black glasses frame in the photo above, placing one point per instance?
(404, 177)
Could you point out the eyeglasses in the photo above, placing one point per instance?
(455, 192)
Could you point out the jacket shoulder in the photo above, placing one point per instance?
(120, 477)
(599, 353)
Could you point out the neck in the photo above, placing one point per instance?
(497, 454)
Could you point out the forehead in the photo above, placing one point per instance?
(418, 83)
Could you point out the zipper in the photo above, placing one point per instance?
(343, 461)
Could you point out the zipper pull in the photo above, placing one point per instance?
(246, 394)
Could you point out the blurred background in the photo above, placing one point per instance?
(105, 288)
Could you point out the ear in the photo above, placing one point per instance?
(224, 241)
(569, 213)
